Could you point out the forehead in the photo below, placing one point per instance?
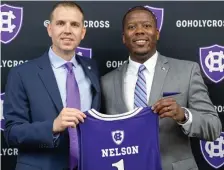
(67, 13)
(138, 15)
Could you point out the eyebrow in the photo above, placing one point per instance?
(140, 22)
(66, 21)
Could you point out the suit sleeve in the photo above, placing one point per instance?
(206, 124)
(20, 131)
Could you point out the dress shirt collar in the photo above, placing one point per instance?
(149, 64)
(57, 61)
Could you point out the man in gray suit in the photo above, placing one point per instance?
(174, 88)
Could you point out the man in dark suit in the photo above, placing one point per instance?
(46, 97)
(174, 88)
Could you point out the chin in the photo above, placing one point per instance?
(141, 53)
(68, 48)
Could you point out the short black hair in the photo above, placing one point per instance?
(138, 8)
(66, 4)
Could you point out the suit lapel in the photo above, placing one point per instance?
(88, 69)
(119, 87)
(161, 70)
(47, 77)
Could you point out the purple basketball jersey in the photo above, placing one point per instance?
(128, 141)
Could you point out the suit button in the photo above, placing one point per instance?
(194, 134)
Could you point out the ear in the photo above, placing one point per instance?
(123, 38)
(83, 33)
(157, 35)
(49, 29)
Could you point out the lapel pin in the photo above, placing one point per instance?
(163, 68)
(79, 53)
(89, 67)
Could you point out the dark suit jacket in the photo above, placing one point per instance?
(32, 102)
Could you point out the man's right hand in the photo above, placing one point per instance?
(68, 117)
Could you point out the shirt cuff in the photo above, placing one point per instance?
(187, 125)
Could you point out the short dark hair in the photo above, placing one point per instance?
(138, 8)
(66, 4)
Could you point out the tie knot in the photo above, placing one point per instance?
(69, 65)
(141, 68)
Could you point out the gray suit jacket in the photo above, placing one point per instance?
(171, 75)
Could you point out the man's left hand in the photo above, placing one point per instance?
(168, 107)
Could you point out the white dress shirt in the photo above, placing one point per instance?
(84, 84)
(131, 77)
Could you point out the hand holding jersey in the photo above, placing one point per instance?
(68, 117)
(168, 107)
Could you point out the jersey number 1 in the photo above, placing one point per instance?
(119, 165)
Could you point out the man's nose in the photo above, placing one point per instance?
(67, 28)
(139, 30)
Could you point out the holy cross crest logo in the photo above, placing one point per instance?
(11, 22)
(118, 136)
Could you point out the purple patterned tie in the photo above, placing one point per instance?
(72, 101)
(140, 95)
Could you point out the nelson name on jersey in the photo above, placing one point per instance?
(130, 150)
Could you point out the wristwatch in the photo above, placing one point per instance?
(186, 115)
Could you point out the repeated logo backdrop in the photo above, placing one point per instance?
(188, 30)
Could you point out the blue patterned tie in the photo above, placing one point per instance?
(140, 97)
(72, 101)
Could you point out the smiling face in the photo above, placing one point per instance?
(66, 30)
(140, 35)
